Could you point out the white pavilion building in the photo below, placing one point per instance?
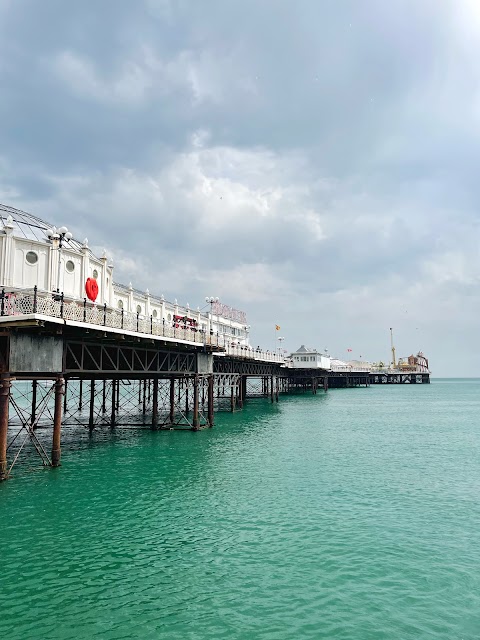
(34, 253)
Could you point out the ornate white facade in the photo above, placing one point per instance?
(34, 253)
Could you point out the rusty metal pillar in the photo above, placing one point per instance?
(172, 400)
(144, 402)
(240, 393)
(196, 420)
(57, 423)
(91, 409)
(65, 396)
(114, 404)
(6, 383)
(155, 404)
(104, 397)
(80, 395)
(210, 400)
(33, 412)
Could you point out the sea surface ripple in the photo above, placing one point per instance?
(351, 515)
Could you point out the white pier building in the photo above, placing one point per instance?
(44, 270)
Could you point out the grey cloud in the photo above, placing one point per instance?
(307, 160)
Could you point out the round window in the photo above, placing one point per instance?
(95, 274)
(155, 313)
(120, 304)
(139, 309)
(31, 257)
(169, 317)
(70, 266)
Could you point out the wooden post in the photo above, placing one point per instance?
(196, 421)
(155, 404)
(6, 383)
(210, 400)
(172, 400)
(57, 423)
(92, 405)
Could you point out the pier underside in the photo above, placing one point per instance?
(64, 384)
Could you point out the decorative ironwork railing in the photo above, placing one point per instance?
(16, 302)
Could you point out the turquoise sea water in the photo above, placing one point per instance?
(354, 514)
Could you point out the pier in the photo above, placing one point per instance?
(119, 358)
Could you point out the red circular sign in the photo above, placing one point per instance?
(91, 289)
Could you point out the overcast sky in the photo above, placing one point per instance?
(315, 163)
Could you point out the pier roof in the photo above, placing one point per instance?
(29, 227)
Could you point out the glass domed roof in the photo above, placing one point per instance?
(27, 226)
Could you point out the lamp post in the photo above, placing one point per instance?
(247, 329)
(211, 300)
(280, 339)
(58, 237)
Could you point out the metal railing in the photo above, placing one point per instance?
(16, 302)
(246, 351)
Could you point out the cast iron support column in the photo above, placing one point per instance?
(34, 403)
(118, 395)
(187, 408)
(57, 423)
(240, 393)
(114, 405)
(155, 404)
(196, 421)
(65, 397)
(210, 401)
(4, 406)
(325, 383)
(80, 395)
(276, 388)
(232, 397)
(271, 389)
(172, 400)
(92, 405)
(104, 396)
(144, 403)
